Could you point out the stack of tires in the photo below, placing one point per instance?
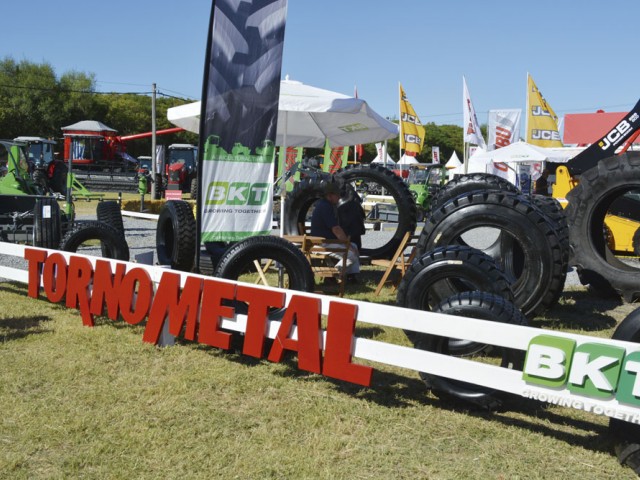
(517, 276)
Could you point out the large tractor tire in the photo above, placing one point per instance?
(46, 223)
(530, 251)
(636, 242)
(109, 212)
(556, 215)
(176, 236)
(483, 306)
(113, 244)
(298, 204)
(627, 435)
(246, 256)
(470, 182)
(589, 202)
(444, 272)
(394, 186)
(193, 189)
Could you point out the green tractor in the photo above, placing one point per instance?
(26, 214)
(425, 180)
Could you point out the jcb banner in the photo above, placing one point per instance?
(504, 128)
(238, 118)
(411, 130)
(542, 122)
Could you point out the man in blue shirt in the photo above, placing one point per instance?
(324, 223)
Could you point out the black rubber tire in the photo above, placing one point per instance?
(58, 180)
(240, 256)
(530, 250)
(588, 204)
(556, 215)
(109, 212)
(113, 244)
(627, 435)
(446, 271)
(193, 189)
(484, 306)
(298, 203)
(393, 184)
(636, 242)
(469, 183)
(46, 230)
(176, 236)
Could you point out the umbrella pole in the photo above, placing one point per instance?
(283, 189)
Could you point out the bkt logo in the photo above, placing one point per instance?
(237, 193)
(545, 135)
(592, 369)
(615, 135)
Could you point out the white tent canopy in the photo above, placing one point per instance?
(408, 160)
(520, 152)
(454, 161)
(308, 115)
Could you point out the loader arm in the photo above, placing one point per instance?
(620, 135)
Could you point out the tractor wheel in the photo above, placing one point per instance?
(58, 180)
(447, 271)
(636, 242)
(556, 215)
(393, 185)
(291, 269)
(109, 212)
(470, 182)
(529, 249)
(46, 223)
(113, 245)
(483, 306)
(176, 236)
(601, 187)
(298, 204)
(627, 435)
(194, 189)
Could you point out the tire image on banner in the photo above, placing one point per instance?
(238, 119)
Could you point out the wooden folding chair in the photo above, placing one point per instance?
(321, 254)
(401, 260)
(323, 258)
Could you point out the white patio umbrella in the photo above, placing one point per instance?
(308, 115)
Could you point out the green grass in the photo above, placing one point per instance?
(99, 403)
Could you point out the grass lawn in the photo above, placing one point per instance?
(99, 403)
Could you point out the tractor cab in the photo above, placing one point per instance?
(424, 182)
(40, 151)
(181, 168)
(14, 170)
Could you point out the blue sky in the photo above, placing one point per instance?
(581, 54)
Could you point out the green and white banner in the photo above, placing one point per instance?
(239, 118)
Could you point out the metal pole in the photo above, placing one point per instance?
(154, 167)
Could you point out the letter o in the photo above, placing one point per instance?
(134, 314)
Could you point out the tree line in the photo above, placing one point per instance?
(34, 101)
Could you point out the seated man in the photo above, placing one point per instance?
(324, 223)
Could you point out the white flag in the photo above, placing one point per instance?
(504, 128)
(472, 133)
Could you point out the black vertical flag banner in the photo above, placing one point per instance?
(239, 116)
